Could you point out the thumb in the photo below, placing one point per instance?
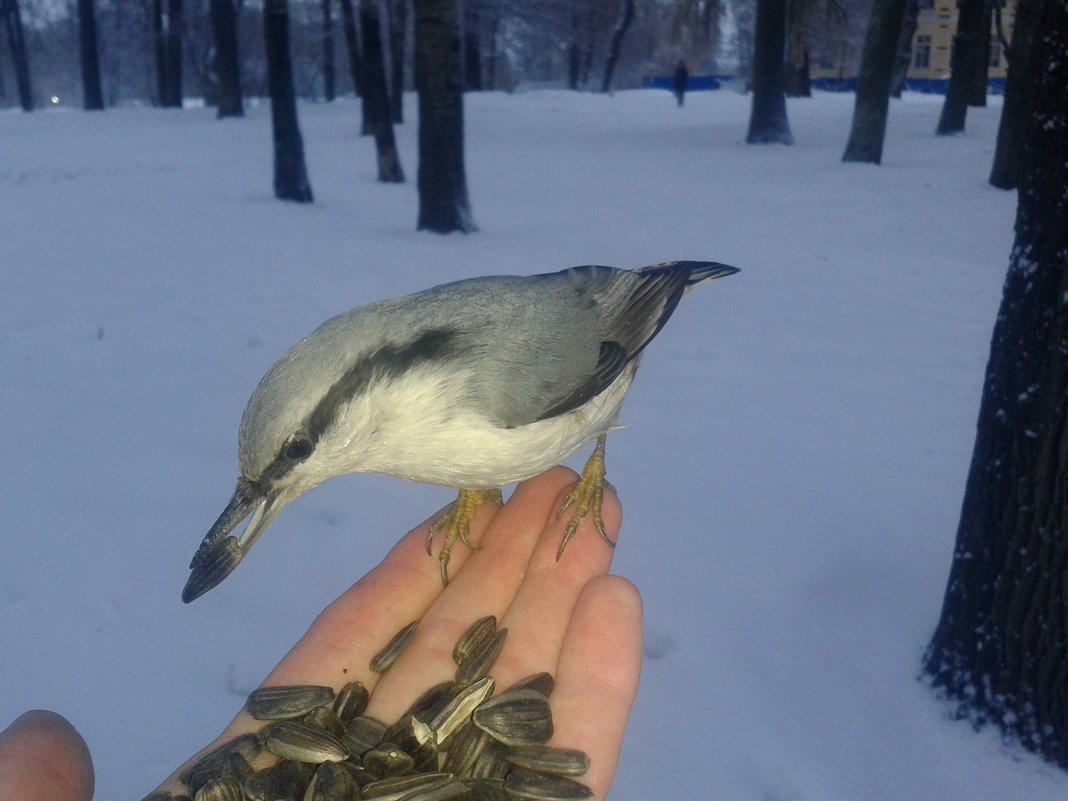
(43, 758)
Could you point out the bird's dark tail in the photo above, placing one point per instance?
(699, 271)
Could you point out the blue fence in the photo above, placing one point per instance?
(927, 86)
(696, 83)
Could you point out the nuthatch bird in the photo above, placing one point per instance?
(471, 385)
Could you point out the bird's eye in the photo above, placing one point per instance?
(298, 450)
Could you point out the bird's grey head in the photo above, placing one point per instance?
(308, 420)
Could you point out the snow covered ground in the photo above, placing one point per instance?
(791, 471)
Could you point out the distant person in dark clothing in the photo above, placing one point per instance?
(682, 77)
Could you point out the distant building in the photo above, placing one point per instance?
(931, 47)
(933, 41)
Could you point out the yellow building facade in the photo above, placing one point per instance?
(932, 45)
(933, 40)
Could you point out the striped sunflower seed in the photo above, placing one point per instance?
(516, 717)
(381, 661)
(546, 759)
(287, 701)
(292, 740)
(479, 631)
(458, 711)
(363, 733)
(332, 782)
(531, 786)
(224, 788)
(481, 659)
(351, 701)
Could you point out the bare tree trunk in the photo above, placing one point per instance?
(904, 47)
(398, 28)
(92, 95)
(767, 117)
(616, 44)
(962, 66)
(160, 51)
(443, 203)
(1019, 96)
(329, 75)
(352, 45)
(980, 77)
(227, 65)
(573, 61)
(797, 82)
(16, 40)
(472, 40)
(876, 73)
(290, 173)
(167, 26)
(574, 56)
(1001, 646)
(494, 54)
(377, 116)
(172, 46)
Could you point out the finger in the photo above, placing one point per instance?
(340, 643)
(538, 618)
(487, 585)
(43, 758)
(598, 676)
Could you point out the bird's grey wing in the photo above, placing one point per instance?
(588, 323)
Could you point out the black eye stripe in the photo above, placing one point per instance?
(389, 361)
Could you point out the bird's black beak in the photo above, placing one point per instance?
(220, 552)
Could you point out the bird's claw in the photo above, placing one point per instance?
(586, 497)
(456, 523)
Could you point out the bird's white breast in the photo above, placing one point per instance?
(422, 438)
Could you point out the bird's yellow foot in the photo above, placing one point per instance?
(456, 523)
(586, 498)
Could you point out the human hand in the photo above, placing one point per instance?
(566, 617)
(43, 758)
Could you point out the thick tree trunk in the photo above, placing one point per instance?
(329, 75)
(227, 66)
(398, 28)
(172, 48)
(1001, 646)
(16, 40)
(904, 47)
(352, 45)
(160, 51)
(472, 48)
(92, 95)
(494, 54)
(1019, 96)
(290, 173)
(962, 65)
(574, 60)
(615, 46)
(574, 52)
(767, 117)
(377, 116)
(874, 80)
(980, 76)
(167, 27)
(443, 203)
(797, 82)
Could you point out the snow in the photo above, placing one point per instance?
(792, 465)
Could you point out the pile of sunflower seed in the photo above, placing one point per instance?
(457, 742)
